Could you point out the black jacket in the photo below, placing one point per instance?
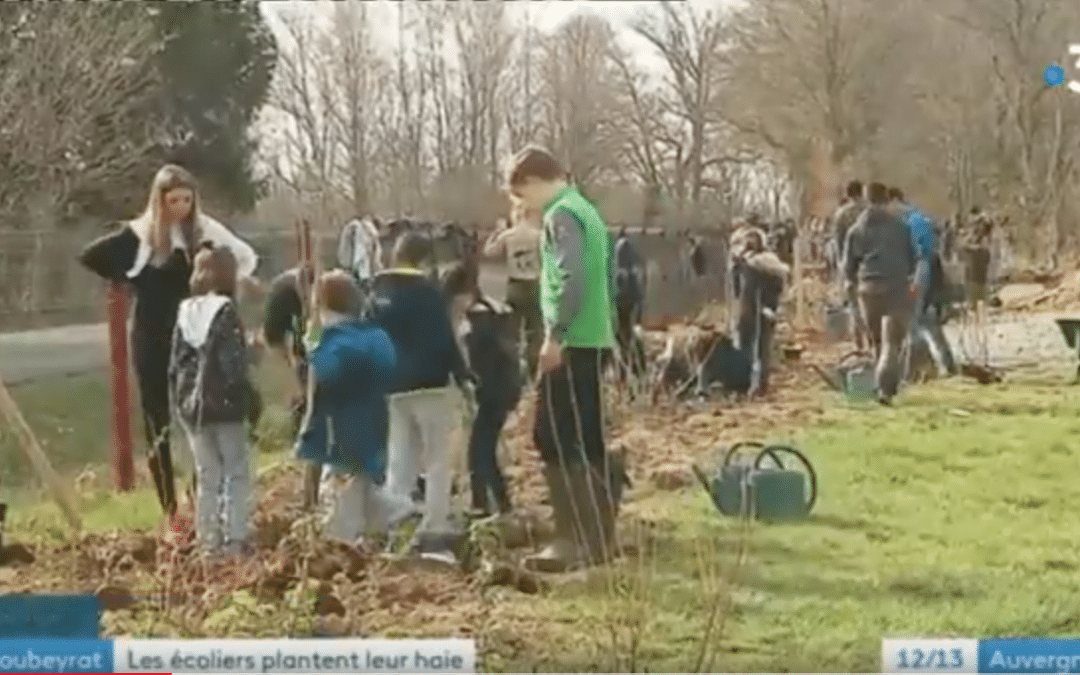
(410, 308)
(492, 345)
(158, 290)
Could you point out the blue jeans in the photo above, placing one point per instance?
(488, 485)
(926, 325)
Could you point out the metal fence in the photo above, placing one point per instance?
(42, 285)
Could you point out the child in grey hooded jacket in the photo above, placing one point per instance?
(208, 384)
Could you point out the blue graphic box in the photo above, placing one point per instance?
(33, 615)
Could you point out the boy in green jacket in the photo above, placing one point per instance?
(575, 301)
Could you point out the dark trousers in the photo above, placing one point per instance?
(151, 352)
(755, 341)
(523, 296)
(489, 491)
(568, 428)
(886, 310)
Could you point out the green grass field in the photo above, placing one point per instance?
(952, 513)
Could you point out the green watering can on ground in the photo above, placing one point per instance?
(853, 376)
(765, 488)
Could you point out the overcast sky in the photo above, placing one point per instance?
(546, 15)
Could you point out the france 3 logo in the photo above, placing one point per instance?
(1055, 74)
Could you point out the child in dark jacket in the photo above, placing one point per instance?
(492, 348)
(208, 378)
(411, 309)
(488, 332)
(353, 366)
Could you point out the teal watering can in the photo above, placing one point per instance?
(765, 487)
(852, 376)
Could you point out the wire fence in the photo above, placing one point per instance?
(42, 285)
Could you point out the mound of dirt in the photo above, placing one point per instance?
(1057, 293)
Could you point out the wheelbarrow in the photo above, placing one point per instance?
(852, 376)
(1070, 331)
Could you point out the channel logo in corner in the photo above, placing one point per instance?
(46, 655)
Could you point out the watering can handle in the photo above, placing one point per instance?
(734, 450)
(771, 452)
(858, 353)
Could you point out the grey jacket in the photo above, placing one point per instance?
(879, 248)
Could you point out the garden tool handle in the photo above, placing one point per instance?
(771, 452)
(740, 445)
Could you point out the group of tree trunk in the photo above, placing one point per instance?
(685, 116)
(686, 113)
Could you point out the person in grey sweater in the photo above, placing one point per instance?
(879, 262)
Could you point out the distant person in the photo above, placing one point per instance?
(976, 254)
(360, 250)
(352, 362)
(629, 301)
(878, 267)
(758, 279)
(782, 241)
(153, 253)
(208, 381)
(412, 310)
(576, 302)
(925, 324)
(842, 220)
(518, 239)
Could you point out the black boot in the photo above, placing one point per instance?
(161, 472)
(595, 510)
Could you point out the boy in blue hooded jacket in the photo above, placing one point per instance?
(353, 364)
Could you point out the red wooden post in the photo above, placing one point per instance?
(123, 464)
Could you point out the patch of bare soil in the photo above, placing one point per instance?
(360, 594)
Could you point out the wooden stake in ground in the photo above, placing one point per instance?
(798, 280)
(30, 447)
(308, 260)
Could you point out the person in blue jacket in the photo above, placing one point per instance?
(925, 322)
(353, 364)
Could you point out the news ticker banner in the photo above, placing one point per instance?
(350, 655)
(997, 655)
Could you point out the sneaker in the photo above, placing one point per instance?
(435, 547)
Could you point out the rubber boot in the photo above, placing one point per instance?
(163, 483)
(592, 495)
(168, 478)
(618, 480)
(312, 481)
(562, 553)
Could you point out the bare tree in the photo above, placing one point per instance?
(76, 97)
(689, 44)
(577, 95)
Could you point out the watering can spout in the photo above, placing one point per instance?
(706, 483)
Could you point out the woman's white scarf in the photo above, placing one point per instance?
(209, 230)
